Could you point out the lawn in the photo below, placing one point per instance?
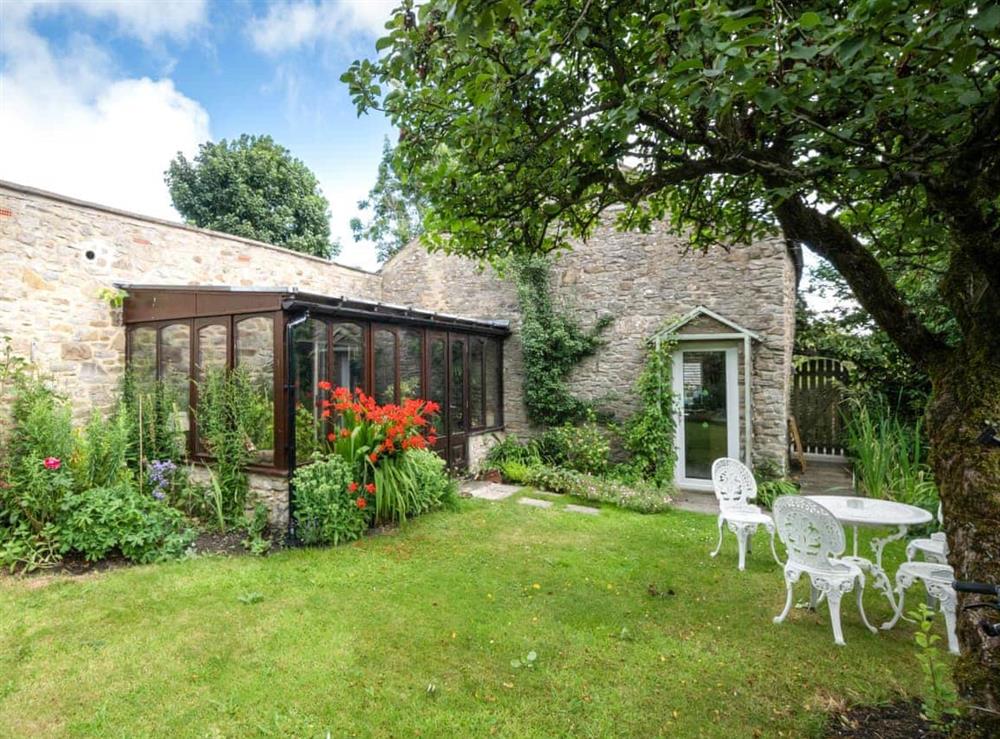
(636, 630)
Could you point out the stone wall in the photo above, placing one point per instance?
(56, 255)
(645, 281)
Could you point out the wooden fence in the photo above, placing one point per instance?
(817, 392)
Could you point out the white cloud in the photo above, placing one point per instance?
(289, 25)
(82, 131)
(146, 20)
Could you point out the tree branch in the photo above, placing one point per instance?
(868, 280)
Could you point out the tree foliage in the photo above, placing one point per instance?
(255, 188)
(867, 130)
(395, 206)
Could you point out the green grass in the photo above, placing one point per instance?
(414, 633)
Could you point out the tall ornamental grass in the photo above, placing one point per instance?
(889, 455)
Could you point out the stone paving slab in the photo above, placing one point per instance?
(488, 490)
(585, 509)
(535, 502)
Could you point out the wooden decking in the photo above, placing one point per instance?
(825, 478)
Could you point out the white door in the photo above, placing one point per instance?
(706, 387)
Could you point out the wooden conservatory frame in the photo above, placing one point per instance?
(158, 307)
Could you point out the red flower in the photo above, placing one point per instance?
(370, 488)
(324, 385)
(373, 457)
(361, 502)
(352, 487)
(52, 463)
(326, 413)
(345, 433)
(331, 436)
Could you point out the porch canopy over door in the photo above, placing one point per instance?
(704, 330)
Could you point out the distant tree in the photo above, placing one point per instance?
(860, 129)
(395, 205)
(255, 188)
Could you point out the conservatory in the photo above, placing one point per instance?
(289, 341)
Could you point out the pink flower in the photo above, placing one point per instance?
(52, 463)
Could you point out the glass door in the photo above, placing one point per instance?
(705, 384)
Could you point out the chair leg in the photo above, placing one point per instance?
(833, 600)
(948, 609)
(789, 586)
(911, 552)
(718, 547)
(774, 552)
(743, 535)
(860, 589)
(900, 596)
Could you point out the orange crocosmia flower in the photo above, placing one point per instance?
(345, 432)
(331, 436)
(352, 487)
(370, 487)
(326, 413)
(323, 385)
(361, 502)
(373, 457)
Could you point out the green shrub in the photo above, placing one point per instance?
(227, 410)
(648, 435)
(516, 472)
(37, 476)
(584, 447)
(325, 511)
(153, 414)
(101, 520)
(771, 483)
(511, 449)
(435, 488)
(641, 498)
(257, 541)
(889, 455)
(103, 449)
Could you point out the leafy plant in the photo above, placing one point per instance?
(153, 413)
(326, 512)
(771, 484)
(552, 344)
(889, 456)
(641, 498)
(434, 487)
(510, 449)
(527, 661)
(582, 447)
(37, 475)
(648, 435)
(100, 520)
(516, 472)
(226, 415)
(940, 698)
(103, 449)
(257, 541)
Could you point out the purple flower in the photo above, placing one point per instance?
(161, 473)
(159, 494)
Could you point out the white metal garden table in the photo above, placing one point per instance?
(872, 513)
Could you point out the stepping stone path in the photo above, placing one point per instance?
(535, 502)
(488, 490)
(584, 509)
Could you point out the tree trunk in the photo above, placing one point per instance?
(966, 397)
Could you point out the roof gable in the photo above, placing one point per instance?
(701, 317)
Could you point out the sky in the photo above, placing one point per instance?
(97, 96)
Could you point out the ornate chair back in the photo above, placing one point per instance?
(733, 483)
(809, 532)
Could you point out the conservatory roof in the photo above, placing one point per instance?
(163, 302)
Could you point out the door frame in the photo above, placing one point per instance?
(731, 352)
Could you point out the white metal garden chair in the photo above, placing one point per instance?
(934, 548)
(937, 579)
(734, 489)
(814, 540)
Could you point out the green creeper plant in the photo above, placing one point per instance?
(649, 434)
(940, 699)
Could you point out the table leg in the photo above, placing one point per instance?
(880, 579)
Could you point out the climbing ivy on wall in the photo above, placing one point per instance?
(552, 344)
(648, 435)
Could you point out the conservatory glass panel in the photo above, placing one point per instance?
(385, 366)
(456, 402)
(348, 356)
(175, 370)
(492, 362)
(255, 356)
(309, 344)
(436, 380)
(143, 357)
(411, 351)
(476, 383)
